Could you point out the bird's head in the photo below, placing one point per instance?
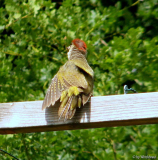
(77, 47)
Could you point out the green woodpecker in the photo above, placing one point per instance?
(73, 84)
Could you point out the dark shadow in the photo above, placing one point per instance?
(82, 114)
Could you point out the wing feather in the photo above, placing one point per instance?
(71, 74)
(83, 64)
(53, 93)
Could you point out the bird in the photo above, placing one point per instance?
(73, 83)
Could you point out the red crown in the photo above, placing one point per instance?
(81, 45)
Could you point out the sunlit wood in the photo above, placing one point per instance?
(102, 111)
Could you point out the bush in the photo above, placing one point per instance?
(122, 49)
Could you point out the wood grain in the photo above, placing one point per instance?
(102, 111)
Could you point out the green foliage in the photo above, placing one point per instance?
(122, 49)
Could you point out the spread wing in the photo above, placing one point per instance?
(53, 93)
(68, 75)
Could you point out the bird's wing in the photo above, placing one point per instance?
(53, 93)
(70, 74)
(83, 64)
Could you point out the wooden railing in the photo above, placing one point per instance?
(102, 111)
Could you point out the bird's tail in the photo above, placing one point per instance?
(66, 111)
(69, 103)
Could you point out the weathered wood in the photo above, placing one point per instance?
(103, 111)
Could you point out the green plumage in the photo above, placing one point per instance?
(73, 84)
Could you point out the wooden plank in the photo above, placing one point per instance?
(102, 111)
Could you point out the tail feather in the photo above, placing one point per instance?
(85, 98)
(66, 112)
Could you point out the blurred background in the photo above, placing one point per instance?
(122, 41)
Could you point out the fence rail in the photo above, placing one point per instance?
(102, 111)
